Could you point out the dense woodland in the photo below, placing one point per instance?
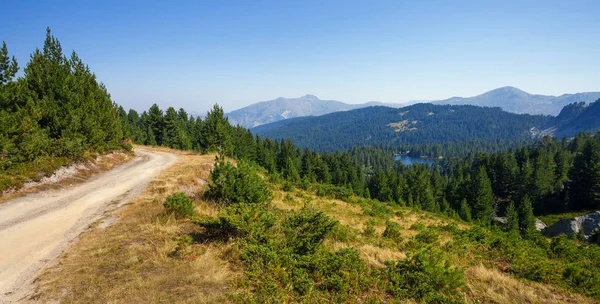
(419, 124)
(54, 113)
(547, 176)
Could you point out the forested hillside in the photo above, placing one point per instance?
(412, 125)
(287, 254)
(576, 118)
(53, 114)
(547, 174)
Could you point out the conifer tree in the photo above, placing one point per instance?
(150, 138)
(465, 211)
(481, 196)
(512, 218)
(216, 134)
(155, 123)
(8, 65)
(526, 218)
(584, 187)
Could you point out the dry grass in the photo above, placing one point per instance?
(92, 167)
(137, 260)
(491, 286)
(483, 285)
(372, 255)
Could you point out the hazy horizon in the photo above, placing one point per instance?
(193, 54)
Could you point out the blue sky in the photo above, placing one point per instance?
(193, 54)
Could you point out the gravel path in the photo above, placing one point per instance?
(37, 228)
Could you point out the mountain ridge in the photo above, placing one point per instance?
(515, 100)
(423, 123)
(281, 108)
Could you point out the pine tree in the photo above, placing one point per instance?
(584, 187)
(289, 171)
(526, 218)
(171, 129)
(481, 196)
(216, 133)
(150, 138)
(156, 124)
(8, 66)
(512, 218)
(465, 211)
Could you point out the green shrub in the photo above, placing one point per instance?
(392, 231)
(287, 186)
(426, 276)
(179, 205)
(305, 183)
(582, 279)
(370, 228)
(376, 208)
(232, 185)
(344, 234)
(288, 198)
(183, 243)
(305, 230)
(341, 271)
(565, 249)
(250, 220)
(417, 226)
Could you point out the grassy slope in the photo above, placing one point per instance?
(139, 259)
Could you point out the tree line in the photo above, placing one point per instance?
(55, 112)
(548, 176)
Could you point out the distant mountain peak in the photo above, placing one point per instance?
(310, 97)
(284, 108)
(515, 100)
(508, 88)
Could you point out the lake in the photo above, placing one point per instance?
(409, 160)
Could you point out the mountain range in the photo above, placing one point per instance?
(511, 99)
(284, 108)
(428, 123)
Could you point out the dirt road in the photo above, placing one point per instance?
(36, 229)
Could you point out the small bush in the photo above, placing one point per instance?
(232, 185)
(305, 230)
(341, 271)
(183, 243)
(370, 228)
(179, 205)
(417, 226)
(426, 276)
(250, 220)
(392, 231)
(582, 279)
(287, 186)
(565, 249)
(344, 234)
(427, 236)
